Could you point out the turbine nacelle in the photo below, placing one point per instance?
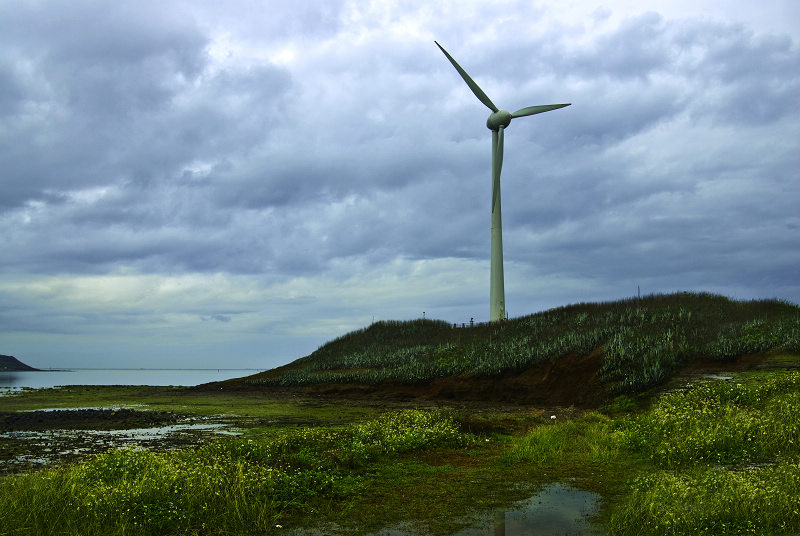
(500, 118)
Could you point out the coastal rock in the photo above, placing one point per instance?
(8, 362)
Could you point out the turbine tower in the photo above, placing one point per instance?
(497, 122)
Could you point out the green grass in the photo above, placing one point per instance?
(589, 439)
(729, 422)
(713, 501)
(715, 458)
(643, 342)
(726, 459)
(231, 486)
(719, 457)
(183, 400)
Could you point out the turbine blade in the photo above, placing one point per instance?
(470, 82)
(500, 150)
(497, 162)
(531, 110)
(495, 136)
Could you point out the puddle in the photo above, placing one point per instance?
(691, 380)
(720, 377)
(557, 510)
(135, 435)
(82, 408)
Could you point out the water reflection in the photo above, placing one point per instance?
(500, 523)
(9, 378)
(24, 449)
(557, 509)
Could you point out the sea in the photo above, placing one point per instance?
(12, 380)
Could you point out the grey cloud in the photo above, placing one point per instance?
(638, 49)
(12, 89)
(250, 170)
(259, 22)
(217, 318)
(747, 78)
(129, 145)
(100, 58)
(130, 101)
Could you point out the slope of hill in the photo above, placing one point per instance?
(574, 354)
(9, 363)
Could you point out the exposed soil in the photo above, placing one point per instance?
(568, 381)
(85, 419)
(745, 362)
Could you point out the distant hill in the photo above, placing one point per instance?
(577, 354)
(8, 363)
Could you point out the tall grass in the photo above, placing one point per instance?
(722, 458)
(722, 422)
(590, 439)
(726, 457)
(643, 341)
(231, 486)
(713, 501)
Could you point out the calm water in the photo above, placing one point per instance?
(556, 510)
(47, 378)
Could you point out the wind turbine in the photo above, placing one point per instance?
(497, 122)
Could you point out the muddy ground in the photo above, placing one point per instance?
(84, 418)
(34, 439)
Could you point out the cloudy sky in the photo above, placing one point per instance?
(232, 184)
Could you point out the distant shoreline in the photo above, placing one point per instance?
(76, 369)
(76, 376)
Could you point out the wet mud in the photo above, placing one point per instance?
(84, 418)
(34, 439)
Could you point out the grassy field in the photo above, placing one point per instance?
(718, 457)
(668, 456)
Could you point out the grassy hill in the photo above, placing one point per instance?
(575, 353)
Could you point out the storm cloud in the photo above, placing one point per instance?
(195, 182)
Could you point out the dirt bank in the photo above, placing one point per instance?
(569, 381)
